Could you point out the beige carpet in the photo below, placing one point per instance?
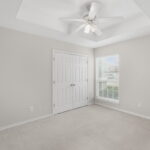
(87, 128)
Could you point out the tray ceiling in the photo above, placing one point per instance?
(43, 17)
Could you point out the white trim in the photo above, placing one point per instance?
(24, 122)
(116, 101)
(109, 100)
(122, 110)
(52, 79)
(72, 52)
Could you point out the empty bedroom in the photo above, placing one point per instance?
(74, 75)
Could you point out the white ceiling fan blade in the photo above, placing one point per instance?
(110, 19)
(93, 10)
(73, 19)
(79, 28)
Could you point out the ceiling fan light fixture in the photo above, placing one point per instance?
(90, 22)
(87, 29)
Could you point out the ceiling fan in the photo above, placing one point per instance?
(90, 23)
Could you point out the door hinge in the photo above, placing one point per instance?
(53, 105)
(53, 58)
(54, 82)
(87, 98)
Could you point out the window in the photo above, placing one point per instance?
(107, 78)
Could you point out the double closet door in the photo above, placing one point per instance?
(70, 81)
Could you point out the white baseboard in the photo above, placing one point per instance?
(49, 115)
(31, 120)
(122, 110)
(24, 122)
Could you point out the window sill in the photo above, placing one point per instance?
(114, 101)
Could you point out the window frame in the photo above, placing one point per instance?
(106, 99)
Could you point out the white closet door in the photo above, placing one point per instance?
(79, 79)
(70, 81)
(62, 96)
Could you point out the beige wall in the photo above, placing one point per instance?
(25, 75)
(134, 74)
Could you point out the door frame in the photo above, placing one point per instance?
(53, 82)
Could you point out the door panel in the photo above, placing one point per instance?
(80, 81)
(70, 81)
(61, 89)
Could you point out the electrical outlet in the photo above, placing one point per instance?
(31, 108)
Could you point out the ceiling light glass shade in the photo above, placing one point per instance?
(87, 29)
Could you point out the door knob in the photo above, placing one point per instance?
(72, 84)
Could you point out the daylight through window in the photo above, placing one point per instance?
(107, 78)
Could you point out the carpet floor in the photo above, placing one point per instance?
(87, 128)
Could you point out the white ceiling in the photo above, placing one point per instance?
(42, 17)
